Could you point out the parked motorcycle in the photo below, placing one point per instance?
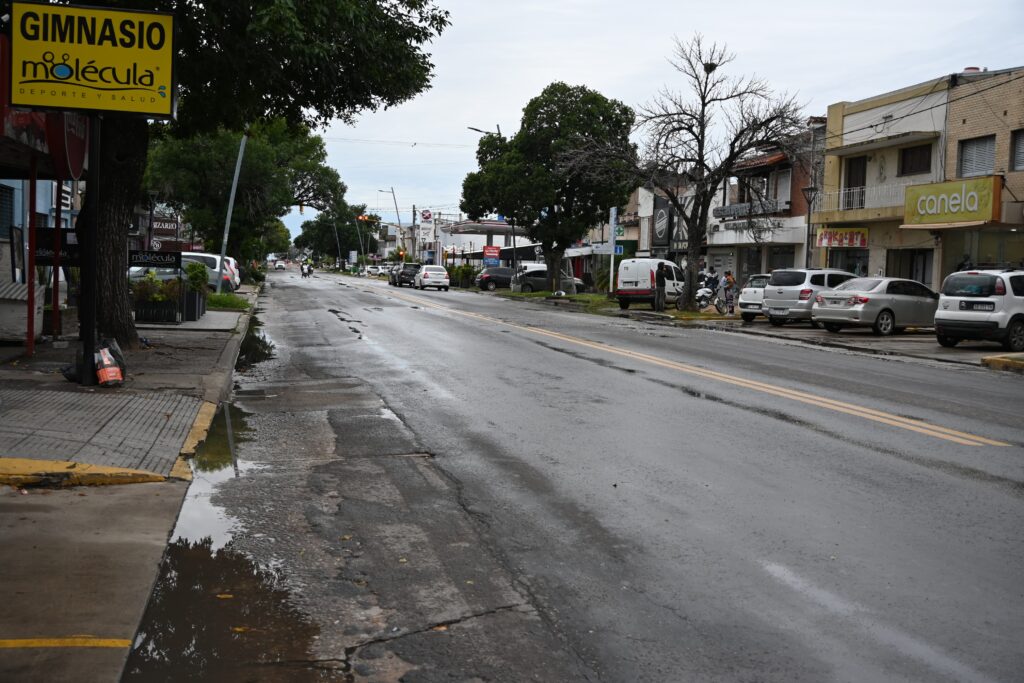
(706, 296)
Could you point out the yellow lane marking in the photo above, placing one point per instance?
(911, 424)
(74, 641)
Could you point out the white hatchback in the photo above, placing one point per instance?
(751, 296)
(431, 276)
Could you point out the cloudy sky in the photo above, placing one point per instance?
(497, 55)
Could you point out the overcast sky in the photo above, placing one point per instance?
(497, 55)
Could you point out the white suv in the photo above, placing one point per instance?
(982, 304)
(789, 294)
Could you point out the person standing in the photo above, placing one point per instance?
(659, 288)
(729, 285)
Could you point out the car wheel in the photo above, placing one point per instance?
(833, 327)
(446, 289)
(747, 317)
(776, 322)
(491, 286)
(948, 342)
(527, 288)
(623, 304)
(1014, 339)
(815, 325)
(885, 323)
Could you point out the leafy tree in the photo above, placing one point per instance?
(242, 61)
(283, 166)
(524, 179)
(319, 233)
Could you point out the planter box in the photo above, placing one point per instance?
(195, 306)
(156, 312)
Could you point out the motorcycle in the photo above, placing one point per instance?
(706, 296)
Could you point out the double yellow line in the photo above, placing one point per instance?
(918, 426)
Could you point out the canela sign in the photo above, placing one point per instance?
(69, 57)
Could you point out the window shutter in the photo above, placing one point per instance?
(977, 156)
(782, 186)
(1017, 153)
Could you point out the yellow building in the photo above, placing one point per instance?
(966, 126)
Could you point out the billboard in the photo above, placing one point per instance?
(661, 234)
(69, 57)
(972, 199)
(492, 255)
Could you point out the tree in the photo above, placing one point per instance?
(284, 165)
(242, 61)
(524, 179)
(334, 231)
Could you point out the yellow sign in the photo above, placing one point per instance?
(843, 237)
(67, 57)
(971, 199)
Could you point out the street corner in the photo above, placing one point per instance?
(24, 472)
(200, 428)
(1008, 362)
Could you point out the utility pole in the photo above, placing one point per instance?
(231, 206)
(336, 240)
(415, 237)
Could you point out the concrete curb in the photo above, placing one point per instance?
(1009, 362)
(62, 473)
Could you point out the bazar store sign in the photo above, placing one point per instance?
(976, 199)
(843, 237)
(66, 57)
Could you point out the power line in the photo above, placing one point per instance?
(400, 143)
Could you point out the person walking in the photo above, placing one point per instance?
(659, 288)
(729, 285)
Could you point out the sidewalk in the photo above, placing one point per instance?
(79, 563)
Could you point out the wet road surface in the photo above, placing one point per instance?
(450, 484)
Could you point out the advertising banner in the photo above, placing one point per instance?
(492, 256)
(974, 199)
(154, 259)
(661, 234)
(70, 252)
(843, 237)
(70, 57)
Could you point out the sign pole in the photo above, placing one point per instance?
(57, 235)
(30, 262)
(87, 280)
(613, 221)
(231, 206)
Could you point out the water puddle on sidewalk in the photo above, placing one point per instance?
(214, 613)
(256, 346)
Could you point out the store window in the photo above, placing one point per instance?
(851, 260)
(781, 257)
(6, 210)
(1017, 151)
(977, 156)
(915, 160)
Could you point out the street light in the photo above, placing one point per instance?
(809, 193)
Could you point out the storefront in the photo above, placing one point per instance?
(846, 248)
(968, 221)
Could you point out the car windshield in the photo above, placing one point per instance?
(860, 284)
(787, 278)
(969, 284)
(757, 282)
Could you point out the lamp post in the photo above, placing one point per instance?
(810, 194)
(152, 207)
(511, 225)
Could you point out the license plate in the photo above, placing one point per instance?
(778, 311)
(977, 306)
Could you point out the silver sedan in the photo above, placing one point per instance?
(886, 304)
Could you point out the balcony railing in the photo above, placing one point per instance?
(756, 208)
(869, 197)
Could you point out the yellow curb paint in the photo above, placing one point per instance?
(181, 471)
(1013, 363)
(31, 472)
(74, 641)
(200, 428)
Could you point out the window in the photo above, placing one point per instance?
(915, 160)
(977, 156)
(835, 279)
(6, 210)
(819, 280)
(1017, 151)
(1017, 285)
(678, 273)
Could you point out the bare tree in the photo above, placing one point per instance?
(693, 138)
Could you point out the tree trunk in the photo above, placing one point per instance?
(123, 149)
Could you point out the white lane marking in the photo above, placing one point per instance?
(903, 642)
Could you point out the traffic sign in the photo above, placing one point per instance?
(620, 231)
(618, 250)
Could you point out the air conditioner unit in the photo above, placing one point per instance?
(715, 227)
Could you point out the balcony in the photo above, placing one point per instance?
(757, 208)
(869, 197)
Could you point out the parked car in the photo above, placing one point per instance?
(431, 276)
(407, 275)
(982, 304)
(393, 274)
(751, 296)
(236, 272)
(886, 304)
(212, 262)
(494, 278)
(279, 265)
(636, 281)
(137, 273)
(789, 294)
(374, 270)
(536, 280)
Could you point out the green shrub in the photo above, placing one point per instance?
(151, 288)
(197, 278)
(226, 301)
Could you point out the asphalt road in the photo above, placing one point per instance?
(451, 483)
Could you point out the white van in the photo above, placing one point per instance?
(636, 281)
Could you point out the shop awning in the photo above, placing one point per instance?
(963, 224)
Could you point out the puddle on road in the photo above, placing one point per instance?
(256, 346)
(214, 613)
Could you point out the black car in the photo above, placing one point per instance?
(494, 278)
(407, 275)
(537, 281)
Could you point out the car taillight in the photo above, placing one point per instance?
(854, 300)
(818, 299)
(805, 294)
(485, 277)
(426, 275)
(1000, 287)
(652, 279)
